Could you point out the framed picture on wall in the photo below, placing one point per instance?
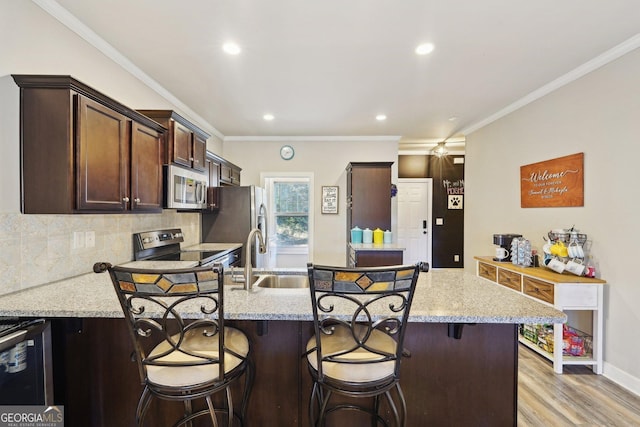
(329, 199)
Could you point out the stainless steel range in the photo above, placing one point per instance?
(164, 245)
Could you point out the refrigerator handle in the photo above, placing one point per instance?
(263, 214)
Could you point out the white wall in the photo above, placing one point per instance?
(327, 160)
(599, 115)
(36, 249)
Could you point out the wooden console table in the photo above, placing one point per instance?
(571, 294)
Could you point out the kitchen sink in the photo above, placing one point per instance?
(282, 281)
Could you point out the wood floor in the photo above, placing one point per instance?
(578, 397)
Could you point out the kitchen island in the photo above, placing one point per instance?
(462, 338)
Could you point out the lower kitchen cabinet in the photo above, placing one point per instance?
(446, 381)
(362, 256)
(577, 343)
(376, 258)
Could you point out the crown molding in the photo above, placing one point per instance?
(382, 138)
(584, 69)
(54, 9)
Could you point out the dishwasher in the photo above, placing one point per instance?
(26, 371)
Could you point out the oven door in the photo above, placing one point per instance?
(184, 188)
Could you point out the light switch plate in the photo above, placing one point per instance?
(439, 221)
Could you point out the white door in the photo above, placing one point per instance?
(414, 218)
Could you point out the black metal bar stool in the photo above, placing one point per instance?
(359, 316)
(182, 360)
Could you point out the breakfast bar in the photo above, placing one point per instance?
(462, 348)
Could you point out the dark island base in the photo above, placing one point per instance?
(446, 381)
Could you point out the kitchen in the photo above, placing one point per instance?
(605, 99)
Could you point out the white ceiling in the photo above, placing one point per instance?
(327, 67)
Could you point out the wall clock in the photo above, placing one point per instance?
(286, 152)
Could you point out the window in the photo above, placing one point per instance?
(290, 220)
(291, 212)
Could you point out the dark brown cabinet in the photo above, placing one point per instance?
(374, 258)
(221, 171)
(147, 148)
(369, 195)
(83, 152)
(213, 172)
(479, 370)
(103, 157)
(186, 143)
(369, 206)
(229, 173)
(213, 169)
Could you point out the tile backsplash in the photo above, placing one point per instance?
(38, 249)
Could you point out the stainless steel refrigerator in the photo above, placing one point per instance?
(241, 210)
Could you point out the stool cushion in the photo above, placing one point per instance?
(196, 342)
(342, 340)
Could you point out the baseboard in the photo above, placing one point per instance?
(622, 378)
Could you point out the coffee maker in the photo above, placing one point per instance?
(503, 251)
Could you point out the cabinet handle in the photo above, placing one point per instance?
(125, 199)
(137, 200)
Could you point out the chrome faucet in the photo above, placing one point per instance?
(248, 271)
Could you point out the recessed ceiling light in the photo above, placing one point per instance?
(381, 117)
(231, 48)
(424, 49)
(453, 118)
(268, 117)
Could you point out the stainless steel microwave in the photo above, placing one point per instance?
(184, 188)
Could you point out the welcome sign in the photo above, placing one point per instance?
(553, 183)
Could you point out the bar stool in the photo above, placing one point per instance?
(359, 317)
(182, 360)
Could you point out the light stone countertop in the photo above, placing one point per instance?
(442, 296)
(213, 247)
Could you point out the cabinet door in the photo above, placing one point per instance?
(370, 195)
(199, 152)
(225, 174)
(146, 168)
(377, 258)
(213, 168)
(235, 176)
(102, 153)
(181, 140)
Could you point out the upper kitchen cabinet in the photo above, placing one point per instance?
(83, 152)
(229, 173)
(369, 195)
(221, 171)
(186, 143)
